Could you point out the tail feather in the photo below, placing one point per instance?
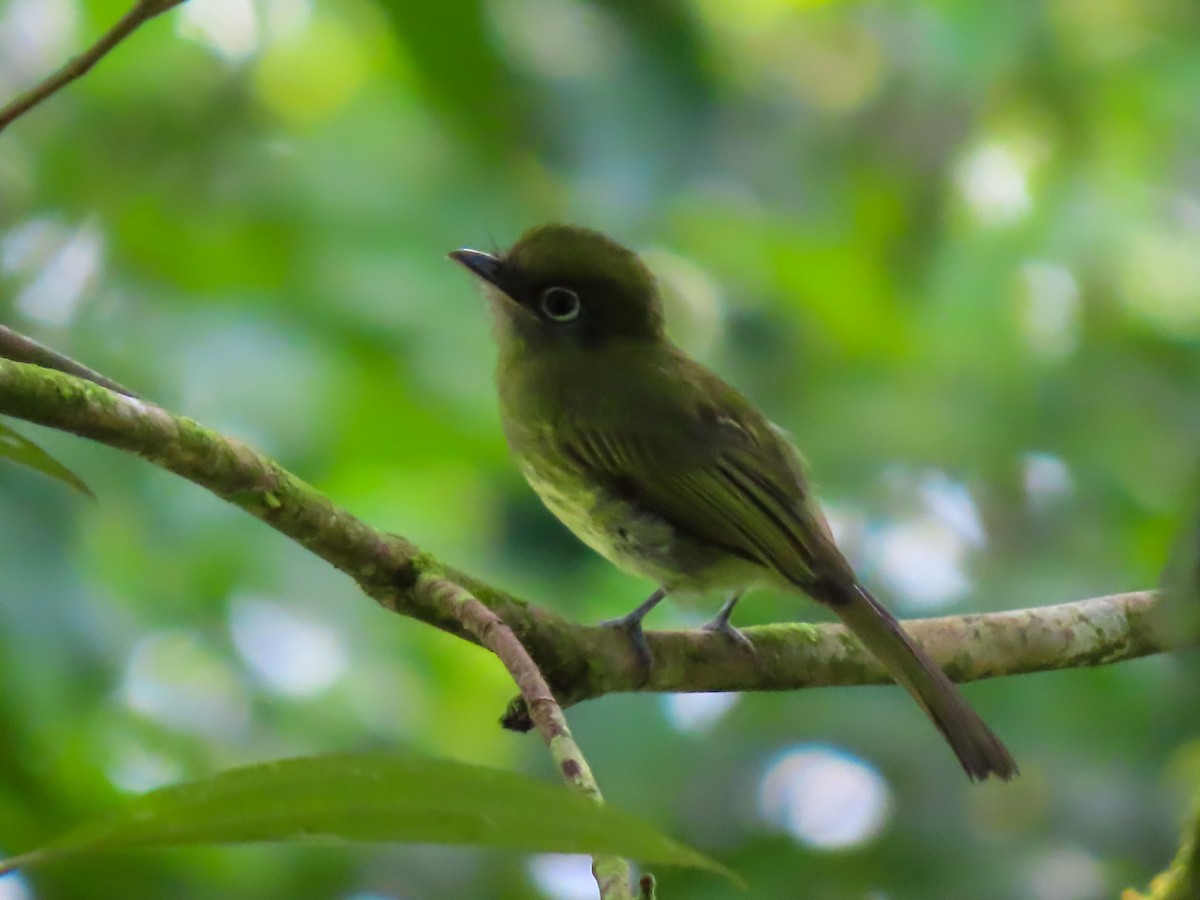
(978, 749)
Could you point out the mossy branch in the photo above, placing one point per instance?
(578, 661)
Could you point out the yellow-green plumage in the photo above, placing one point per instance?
(662, 467)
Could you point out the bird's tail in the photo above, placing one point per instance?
(978, 749)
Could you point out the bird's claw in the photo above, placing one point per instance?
(632, 626)
(720, 625)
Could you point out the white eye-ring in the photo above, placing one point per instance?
(559, 304)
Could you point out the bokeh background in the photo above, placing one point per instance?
(954, 248)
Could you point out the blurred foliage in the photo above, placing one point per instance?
(954, 248)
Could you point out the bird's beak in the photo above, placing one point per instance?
(480, 264)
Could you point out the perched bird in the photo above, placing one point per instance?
(666, 470)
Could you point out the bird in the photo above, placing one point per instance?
(667, 471)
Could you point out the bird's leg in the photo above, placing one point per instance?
(631, 624)
(720, 623)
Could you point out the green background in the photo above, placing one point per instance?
(953, 248)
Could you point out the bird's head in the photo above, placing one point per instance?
(562, 286)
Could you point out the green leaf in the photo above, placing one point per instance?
(372, 797)
(25, 452)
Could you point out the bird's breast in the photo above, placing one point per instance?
(618, 530)
(607, 516)
(631, 537)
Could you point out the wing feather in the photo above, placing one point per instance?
(739, 487)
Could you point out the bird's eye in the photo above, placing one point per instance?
(559, 304)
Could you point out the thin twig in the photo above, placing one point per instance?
(16, 346)
(612, 873)
(142, 12)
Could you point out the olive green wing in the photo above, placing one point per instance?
(735, 484)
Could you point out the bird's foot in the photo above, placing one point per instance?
(721, 625)
(632, 626)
